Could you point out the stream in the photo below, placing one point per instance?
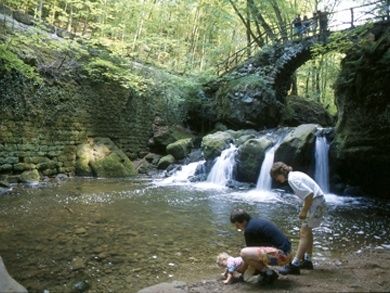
(116, 235)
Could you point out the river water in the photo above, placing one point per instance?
(123, 235)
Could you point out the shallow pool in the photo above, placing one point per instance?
(123, 235)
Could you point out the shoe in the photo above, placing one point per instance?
(306, 265)
(268, 277)
(290, 269)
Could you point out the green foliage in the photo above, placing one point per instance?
(316, 79)
(10, 61)
(176, 93)
(108, 70)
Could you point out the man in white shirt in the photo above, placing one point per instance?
(311, 214)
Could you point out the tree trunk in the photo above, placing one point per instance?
(39, 9)
(244, 22)
(194, 36)
(248, 34)
(70, 20)
(281, 21)
(294, 87)
(260, 19)
(140, 27)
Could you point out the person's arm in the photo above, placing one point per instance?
(306, 206)
(224, 274)
(229, 278)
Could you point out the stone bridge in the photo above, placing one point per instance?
(253, 93)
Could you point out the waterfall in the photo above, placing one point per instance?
(264, 181)
(222, 170)
(321, 174)
(183, 174)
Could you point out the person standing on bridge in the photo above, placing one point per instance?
(297, 25)
(305, 25)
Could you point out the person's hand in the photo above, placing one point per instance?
(302, 215)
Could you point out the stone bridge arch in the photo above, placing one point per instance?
(253, 95)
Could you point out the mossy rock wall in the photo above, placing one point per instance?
(41, 126)
(360, 153)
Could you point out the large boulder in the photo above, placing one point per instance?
(249, 158)
(164, 134)
(165, 161)
(297, 148)
(303, 111)
(213, 144)
(100, 157)
(30, 176)
(179, 149)
(360, 153)
(246, 102)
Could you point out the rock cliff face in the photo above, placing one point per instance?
(360, 153)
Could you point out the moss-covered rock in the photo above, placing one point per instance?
(249, 158)
(297, 148)
(100, 157)
(360, 153)
(179, 149)
(30, 176)
(84, 157)
(165, 161)
(303, 111)
(163, 135)
(247, 101)
(213, 144)
(112, 165)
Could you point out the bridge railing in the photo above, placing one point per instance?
(334, 21)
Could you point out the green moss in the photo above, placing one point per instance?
(112, 166)
(10, 61)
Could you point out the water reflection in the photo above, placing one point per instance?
(120, 235)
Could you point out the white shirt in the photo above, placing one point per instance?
(303, 185)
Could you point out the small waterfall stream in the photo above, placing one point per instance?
(321, 174)
(184, 173)
(265, 181)
(222, 170)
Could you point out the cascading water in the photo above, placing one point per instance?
(222, 170)
(184, 173)
(265, 181)
(321, 174)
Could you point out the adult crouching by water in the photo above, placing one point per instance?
(266, 244)
(311, 214)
